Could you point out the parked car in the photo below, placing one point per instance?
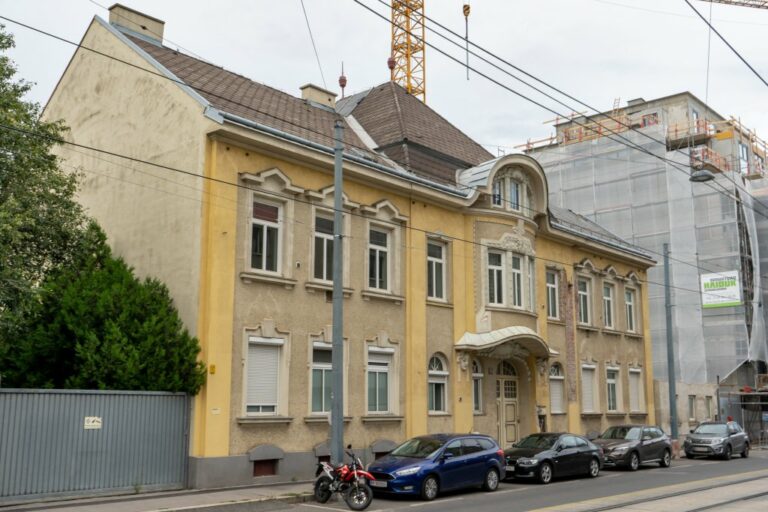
(717, 438)
(629, 446)
(544, 456)
(428, 465)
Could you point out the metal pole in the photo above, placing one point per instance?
(337, 352)
(670, 349)
(717, 392)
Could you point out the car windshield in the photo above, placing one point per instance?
(538, 441)
(712, 428)
(630, 433)
(418, 447)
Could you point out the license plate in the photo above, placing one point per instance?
(697, 449)
(378, 483)
(510, 468)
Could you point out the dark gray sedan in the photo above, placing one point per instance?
(717, 438)
(631, 445)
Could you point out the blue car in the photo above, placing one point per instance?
(427, 465)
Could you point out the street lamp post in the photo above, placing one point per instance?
(337, 348)
(670, 349)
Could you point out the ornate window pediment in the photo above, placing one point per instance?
(272, 179)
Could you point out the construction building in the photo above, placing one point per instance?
(630, 171)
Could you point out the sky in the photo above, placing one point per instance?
(597, 51)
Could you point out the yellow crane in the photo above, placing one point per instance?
(759, 4)
(407, 63)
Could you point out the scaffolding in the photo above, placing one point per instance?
(750, 408)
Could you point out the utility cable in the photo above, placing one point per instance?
(286, 198)
(314, 46)
(723, 39)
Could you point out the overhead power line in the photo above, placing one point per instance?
(314, 46)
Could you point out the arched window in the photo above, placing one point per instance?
(506, 369)
(556, 388)
(438, 383)
(477, 386)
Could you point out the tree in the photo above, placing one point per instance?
(40, 220)
(99, 327)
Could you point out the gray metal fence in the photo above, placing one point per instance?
(73, 442)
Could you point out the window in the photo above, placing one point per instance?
(553, 300)
(323, 249)
(709, 408)
(378, 261)
(587, 389)
(612, 389)
(517, 281)
(477, 387)
(470, 445)
(629, 302)
(556, 388)
(321, 380)
(583, 294)
(650, 119)
(437, 380)
(263, 372)
(608, 305)
(378, 382)
(635, 390)
(514, 195)
(505, 369)
(435, 271)
(498, 193)
(691, 407)
(743, 157)
(495, 278)
(531, 284)
(265, 236)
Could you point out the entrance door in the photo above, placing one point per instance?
(506, 400)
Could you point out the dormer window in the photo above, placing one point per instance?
(510, 191)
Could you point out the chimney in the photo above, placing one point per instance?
(315, 94)
(636, 101)
(138, 22)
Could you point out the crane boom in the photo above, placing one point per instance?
(758, 4)
(408, 46)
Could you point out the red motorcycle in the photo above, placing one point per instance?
(350, 480)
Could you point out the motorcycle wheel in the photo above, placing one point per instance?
(323, 489)
(358, 496)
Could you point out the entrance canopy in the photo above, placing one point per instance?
(515, 340)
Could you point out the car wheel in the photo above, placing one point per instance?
(491, 482)
(594, 468)
(666, 459)
(634, 461)
(728, 453)
(745, 453)
(545, 473)
(430, 488)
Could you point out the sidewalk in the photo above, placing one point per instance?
(239, 499)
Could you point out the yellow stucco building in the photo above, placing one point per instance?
(470, 304)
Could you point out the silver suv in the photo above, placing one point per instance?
(717, 438)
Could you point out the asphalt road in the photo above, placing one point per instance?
(524, 496)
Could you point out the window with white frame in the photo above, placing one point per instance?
(708, 404)
(612, 389)
(514, 194)
(265, 236)
(379, 364)
(498, 193)
(553, 298)
(495, 278)
(436, 270)
(556, 388)
(583, 290)
(629, 303)
(438, 384)
(477, 387)
(636, 394)
(321, 379)
(323, 248)
(262, 375)
(691, 407)
(608, 306)
(378, 258)
(743, 157)
(517, 281)
(531, 284)
(588, 402)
